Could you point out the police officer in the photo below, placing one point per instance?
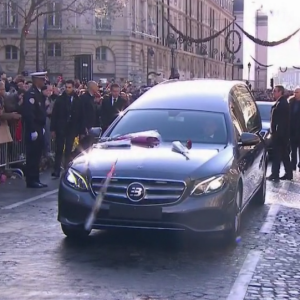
(280, 124)
(34, 115)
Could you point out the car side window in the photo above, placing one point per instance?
(237, 129)
(248, 108)
(237, 118)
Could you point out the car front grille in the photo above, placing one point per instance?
(158, 192)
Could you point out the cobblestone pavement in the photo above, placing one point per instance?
(37, 262)
(277, 274)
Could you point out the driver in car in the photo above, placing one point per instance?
(210, 131)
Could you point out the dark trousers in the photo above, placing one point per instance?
(34, 151)
(295, 152)
(281, 153)
(63, 147)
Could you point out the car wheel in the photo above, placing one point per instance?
(233, 233)
(260, 196)
(75, 232)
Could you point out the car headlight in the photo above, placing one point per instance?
(75, 180)
(210, 185)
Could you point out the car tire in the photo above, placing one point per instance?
(260, 196)
(233, 233)
(75, 232)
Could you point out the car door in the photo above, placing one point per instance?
(252, 124)
(243, 153)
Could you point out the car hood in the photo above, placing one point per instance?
(144, 162)
(266, 125)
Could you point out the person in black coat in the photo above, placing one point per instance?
(90, 114)
(295, 129)
(34, 116)
(66, 124)
(280, 130)
(112, 105)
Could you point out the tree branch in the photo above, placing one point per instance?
(71, 7)
(36, 5)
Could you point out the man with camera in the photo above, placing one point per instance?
(66, 124)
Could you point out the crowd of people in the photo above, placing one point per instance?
(60, 112)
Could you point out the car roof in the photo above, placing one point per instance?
(194, 94)
(269, 103)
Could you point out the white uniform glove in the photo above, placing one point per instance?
(34, 136)
(43, 131)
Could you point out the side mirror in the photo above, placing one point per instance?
(249, 139)
(95, 132)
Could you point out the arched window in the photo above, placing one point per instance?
(101, 53)
(11, 52)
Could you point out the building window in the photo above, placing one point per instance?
(54, 49)
(101, 53)
(103, 25)
(9, 17)
(11, 52)
(54, 18)
(103, 20)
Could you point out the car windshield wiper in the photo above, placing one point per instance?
(108, 138)
(150, 138)
(114, 144)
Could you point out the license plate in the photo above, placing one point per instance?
(134, 212)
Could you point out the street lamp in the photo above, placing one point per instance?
(258, 71)
(203, 52)
(150, 53)
(249, 68)
(172, 43)
(225, 57)
(215, 51)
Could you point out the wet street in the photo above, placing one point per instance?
(37, 262)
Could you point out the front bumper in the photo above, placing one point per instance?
(210, 213)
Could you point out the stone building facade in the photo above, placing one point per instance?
(124, 46)
(289, 77)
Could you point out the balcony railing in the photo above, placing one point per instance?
(54, 28)
(107, 29)
(7, 29)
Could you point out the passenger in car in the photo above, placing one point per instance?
(211, 131)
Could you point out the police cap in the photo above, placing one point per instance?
(40, 75)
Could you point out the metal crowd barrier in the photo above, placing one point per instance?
(13, 153)
(3, 151)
